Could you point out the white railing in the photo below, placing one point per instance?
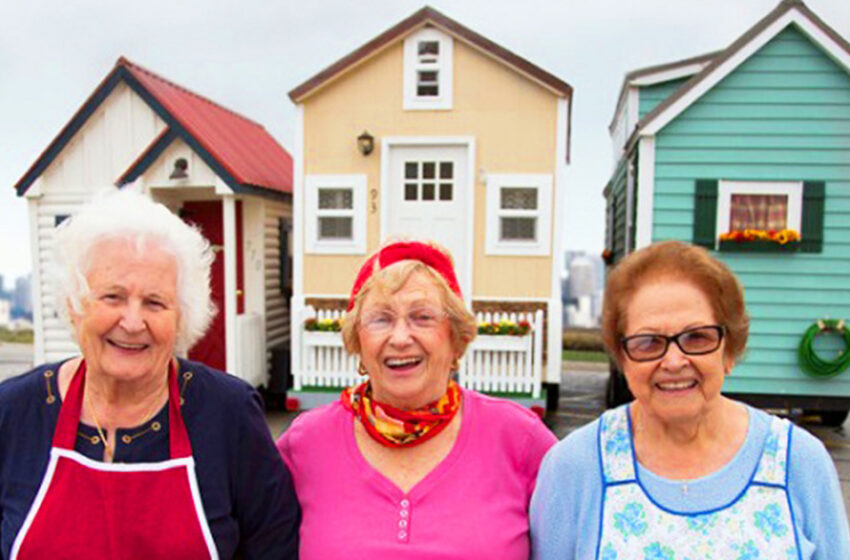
(492, 363)
(505, 363)
(250, 354)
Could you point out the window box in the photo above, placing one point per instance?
(500, 342)
(321, 338)
(757, 246)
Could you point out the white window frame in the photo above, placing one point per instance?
(357, 244)
(543, 232)
(444, 66)
(792, 189)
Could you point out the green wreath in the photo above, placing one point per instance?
(813, 364)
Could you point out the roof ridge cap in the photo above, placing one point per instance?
(123, 61)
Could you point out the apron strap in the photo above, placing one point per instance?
(65, 435)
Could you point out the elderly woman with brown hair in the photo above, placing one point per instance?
(684, 472)
(129, 451)
(408, 464)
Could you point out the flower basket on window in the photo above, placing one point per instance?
(323, 325)
(756, 240)
(509, 328)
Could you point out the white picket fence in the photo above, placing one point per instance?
(250, 349)
(492, 363)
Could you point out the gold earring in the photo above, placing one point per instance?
(455, 365)
(361, 369)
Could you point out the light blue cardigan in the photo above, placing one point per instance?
(565, 507)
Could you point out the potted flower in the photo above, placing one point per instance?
(503, 335)
(758, 240)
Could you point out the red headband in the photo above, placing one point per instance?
(438, 261)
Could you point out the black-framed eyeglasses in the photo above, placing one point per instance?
(695, 341)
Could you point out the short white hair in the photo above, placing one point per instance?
(131, 216)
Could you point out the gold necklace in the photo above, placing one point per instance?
(110, 452)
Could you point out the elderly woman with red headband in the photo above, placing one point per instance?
(408, 464)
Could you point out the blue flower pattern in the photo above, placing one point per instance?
(657, 552)
(631, 520)
(769, 521)
(755, 527)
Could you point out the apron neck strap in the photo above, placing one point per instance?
(65, 435)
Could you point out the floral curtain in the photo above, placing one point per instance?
(758, 211)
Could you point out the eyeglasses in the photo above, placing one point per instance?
(694, 342)
(420, 319)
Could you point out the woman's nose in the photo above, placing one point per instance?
(674, 359)
(400, 333)
(132, 319)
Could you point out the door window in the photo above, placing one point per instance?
(429, 181)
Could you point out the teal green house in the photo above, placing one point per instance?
(755, 136)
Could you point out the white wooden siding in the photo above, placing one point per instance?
(277, 308)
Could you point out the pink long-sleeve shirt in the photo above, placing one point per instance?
(474, 504)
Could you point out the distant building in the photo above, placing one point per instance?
(581, 289)
(22, 297)
(2, 287)
(5, 312)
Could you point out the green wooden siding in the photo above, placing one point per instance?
(650, 96)
(783, 115)
(616, 204)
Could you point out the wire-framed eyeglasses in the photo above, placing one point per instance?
(420, 319)
(695, 341)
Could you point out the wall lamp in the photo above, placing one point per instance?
(365, 143)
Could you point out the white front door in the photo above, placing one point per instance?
(427, 199)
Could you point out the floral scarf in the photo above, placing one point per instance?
(393, 427)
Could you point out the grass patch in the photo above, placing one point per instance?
(22, 336)
(584, 356)
(583, 339)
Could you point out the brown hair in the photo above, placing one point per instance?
(675, 260)
(389, 280)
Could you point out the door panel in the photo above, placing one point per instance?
(427, 198)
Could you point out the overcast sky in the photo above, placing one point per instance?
(247, 55)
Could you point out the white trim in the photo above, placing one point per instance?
(805, 25)
(555, 305)
(37, 297)
(646, 191)
(444, 67)
(297, 301)
(792, 189)
(199, 508)
(468, 142)
(358, 186)
(228, 211)
(669, 74)
(633, 116)
(541, 245)
(630, 204)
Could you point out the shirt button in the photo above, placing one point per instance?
(402, 535)
(405, 503)
(402, 524)
(403, 513)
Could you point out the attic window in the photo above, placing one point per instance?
(428, 70)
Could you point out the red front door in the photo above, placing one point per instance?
(207, 216)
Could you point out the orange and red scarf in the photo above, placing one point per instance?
(393, 427)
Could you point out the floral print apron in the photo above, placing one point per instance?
(756, 524)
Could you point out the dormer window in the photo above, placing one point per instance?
(428, 70)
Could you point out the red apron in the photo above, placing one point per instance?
(89, 509)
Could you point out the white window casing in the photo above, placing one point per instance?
(428, 69)
(335, 221)
(792, 189)
(521, 228)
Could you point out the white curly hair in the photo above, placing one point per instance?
(129, 215)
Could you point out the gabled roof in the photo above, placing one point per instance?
(237, 149)
(786, 13)
(424, 17)
(659, 73)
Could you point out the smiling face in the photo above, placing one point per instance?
(128, 325)
(408, 365)
(676, 387)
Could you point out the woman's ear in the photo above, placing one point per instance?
(728, 364)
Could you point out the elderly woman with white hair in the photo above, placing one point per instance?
(129, 451)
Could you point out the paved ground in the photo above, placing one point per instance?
(582, 400)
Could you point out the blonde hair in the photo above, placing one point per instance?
(389, 280)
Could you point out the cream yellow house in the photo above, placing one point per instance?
(431, 130)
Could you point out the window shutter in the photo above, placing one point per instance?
(811, 233)
(705, 213)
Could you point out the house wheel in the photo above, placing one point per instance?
(832, 418)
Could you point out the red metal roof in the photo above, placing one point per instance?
(244, 148)
(245, 154)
